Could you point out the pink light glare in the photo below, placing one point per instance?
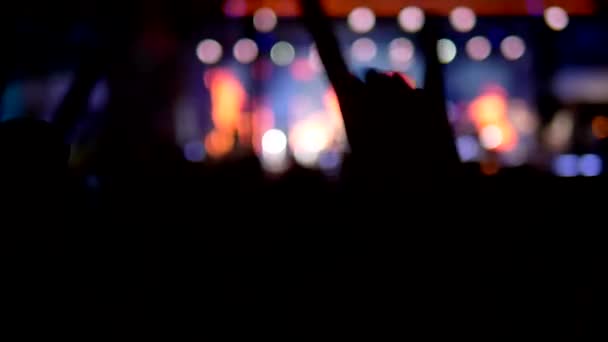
(463, 19)
(411, 19)
(361, 20)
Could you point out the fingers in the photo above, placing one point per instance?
(328, 46)
(434, 83)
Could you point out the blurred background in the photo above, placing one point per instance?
(527, 80)
(213, 98)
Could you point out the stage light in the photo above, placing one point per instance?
(301, 70)
(308, 138)
(411, 19)
(265, 20)
(468, 148)
(590, 165)
(235, 8)
(479, 48)
(274, 142)
(463, 19)
(446, 50)
(245, 51)
(209, 51)
(513, 48)
(330, 161)
(599, 127)
(194, 151)
(566, 165)
(491, 137)
(361, 20)
(364, 50)
(401, 52)
(282, 53)
(556, 18)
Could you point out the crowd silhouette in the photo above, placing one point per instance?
(155, 247)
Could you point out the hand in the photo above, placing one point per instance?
(391, 127)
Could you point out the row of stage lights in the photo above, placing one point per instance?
(401, 50)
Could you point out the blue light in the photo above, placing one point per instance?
(194, 151)
(566, 165)
(590, 165)
(468, 148)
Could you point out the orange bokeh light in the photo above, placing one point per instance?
(228, 98)
(218, 143)
(490, 110)
(600, 127)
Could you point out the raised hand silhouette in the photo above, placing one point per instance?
(395, 131)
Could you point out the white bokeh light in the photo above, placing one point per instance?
(361, 20)
(463, 19)
(364, 50)
(245, 51)
(265, 20)
(491, 137)
(209, 51)
(282, 53)
(308, 139)
(274, 142)
(557, 18)
(513, 48)
(479, 48)
(411, 19)
(446, 51)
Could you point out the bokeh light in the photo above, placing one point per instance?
(491, 137)
(557, 18)
(282, 53)
(219, 144)
(194, 151)
(479, 48)
(513, 48)
(468, 148)
(330, 161)
(245, 51)
(401, 52)
(274, 151)
(559, 132)
(490, 167)
(274, 142)
(590, 165)
(361, 20)
(566, 165)
(301, 70)
(309, 138)
(228, 98)
(523, 118)
(489, 114)
(364, 50)
(314, 60)
(411, 19)
(265, 20)
(446, 50)
(235, 8)
(209, 51)
(599, 126)
(463, 19)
